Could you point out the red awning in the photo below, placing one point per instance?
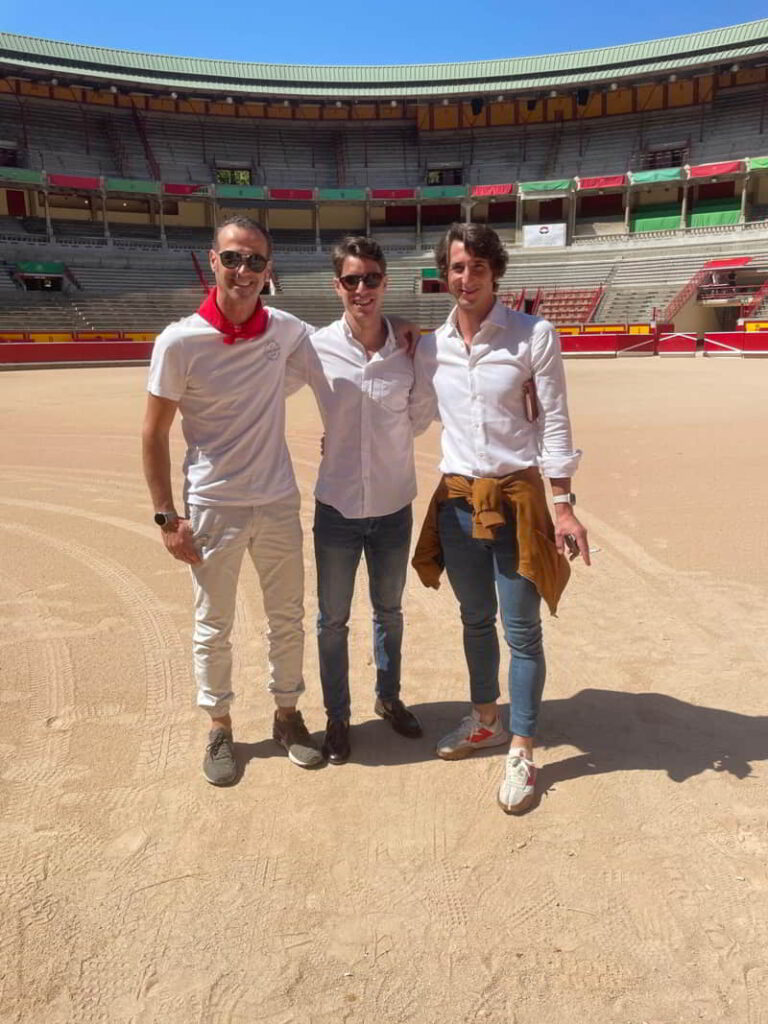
(737, 261)
(605, 181)
(291, 193)
(710, 170)
(493, 190)
(74, 181)
(393, 193)
(183, 190)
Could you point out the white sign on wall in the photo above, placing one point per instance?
(537, 236)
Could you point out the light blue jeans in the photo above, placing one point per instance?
(477, 569)
(339, 544)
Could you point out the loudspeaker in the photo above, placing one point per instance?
(582, 96)
(477, 106)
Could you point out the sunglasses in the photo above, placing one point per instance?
(231, 259)
(351, 281)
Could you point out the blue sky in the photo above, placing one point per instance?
(359, 32)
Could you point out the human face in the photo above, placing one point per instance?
(362, 305)
(470, 281)
(240, 287)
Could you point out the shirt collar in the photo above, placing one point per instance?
(253, 327)
(385, 349)
(497, 317)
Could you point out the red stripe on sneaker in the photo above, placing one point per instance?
(480, 734)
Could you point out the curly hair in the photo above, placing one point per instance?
(479, 241)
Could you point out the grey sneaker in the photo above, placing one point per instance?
(292, 735)
(219, 766)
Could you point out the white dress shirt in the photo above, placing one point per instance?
(367, 467)
(478, 393)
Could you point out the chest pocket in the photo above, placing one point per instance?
(391, 393)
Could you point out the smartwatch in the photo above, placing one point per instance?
(166, 520)
(564, 499)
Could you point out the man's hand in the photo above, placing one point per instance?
(569, 533)
(407, 335)
(181, 543)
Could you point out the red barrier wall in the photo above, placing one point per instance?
(677, 345)
(724, 343)
(75, 351)
(588, 345)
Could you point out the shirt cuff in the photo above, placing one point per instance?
(560, 465)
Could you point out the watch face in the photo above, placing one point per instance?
(161, 518)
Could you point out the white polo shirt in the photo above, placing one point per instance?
(232, 403)
(366, 404)
(479, 396)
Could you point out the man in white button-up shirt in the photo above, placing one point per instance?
(366, 482)
(498, 431)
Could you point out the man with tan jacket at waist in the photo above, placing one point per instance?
(489, 524)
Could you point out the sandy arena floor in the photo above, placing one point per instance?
(392, 889)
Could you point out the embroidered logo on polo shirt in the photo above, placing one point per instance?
(272, 350)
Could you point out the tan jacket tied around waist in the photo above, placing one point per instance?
(492, 499)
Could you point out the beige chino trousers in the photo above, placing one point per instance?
(271, 534)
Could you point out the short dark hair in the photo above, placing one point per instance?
(245, 224)
(357, 245)
(480, 241)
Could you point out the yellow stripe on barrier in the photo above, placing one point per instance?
(604, 329)
(138, 336)
(639, 329)
(50, 338)
(756, 325)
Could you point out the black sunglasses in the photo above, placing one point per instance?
(351, 281)
(231, 259)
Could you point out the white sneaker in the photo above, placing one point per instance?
(471, 734)
(516, 791)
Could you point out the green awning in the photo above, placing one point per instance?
(758, 163)
(661, 217)
(129, 185)
(710, 212)
(21, 174)
(556, 185)
(240, 192)
(650, 177)
(40, 268)
(443, 191)
(342, 194)
(429, 273)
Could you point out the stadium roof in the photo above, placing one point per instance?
(697, 52)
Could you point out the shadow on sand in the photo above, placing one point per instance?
(616, 732)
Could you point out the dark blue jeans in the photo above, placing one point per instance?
(339, 543)
(477, 569)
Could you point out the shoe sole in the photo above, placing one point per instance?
(459, 753)
(520, 808)
(222, 785)
(302, 764)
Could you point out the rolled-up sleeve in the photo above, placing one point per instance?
(557, 456)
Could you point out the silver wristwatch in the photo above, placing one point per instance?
(564, 499)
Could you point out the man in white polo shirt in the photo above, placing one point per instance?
(363, 383)
(500, 391)
(223, 368)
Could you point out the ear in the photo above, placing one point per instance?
(385, 283)
(338, 287)
(212, 259)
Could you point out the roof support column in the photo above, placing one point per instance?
(571, 227)
(367, 219)
(316, 226)
(265, 218)
(161, 218)
(684, 208)
(744, 197)
(418, 227)
(627, 209)
(47, 209)
(519, 220)
(105, 221)
(468, 211)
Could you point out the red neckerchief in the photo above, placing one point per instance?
(253, 327)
